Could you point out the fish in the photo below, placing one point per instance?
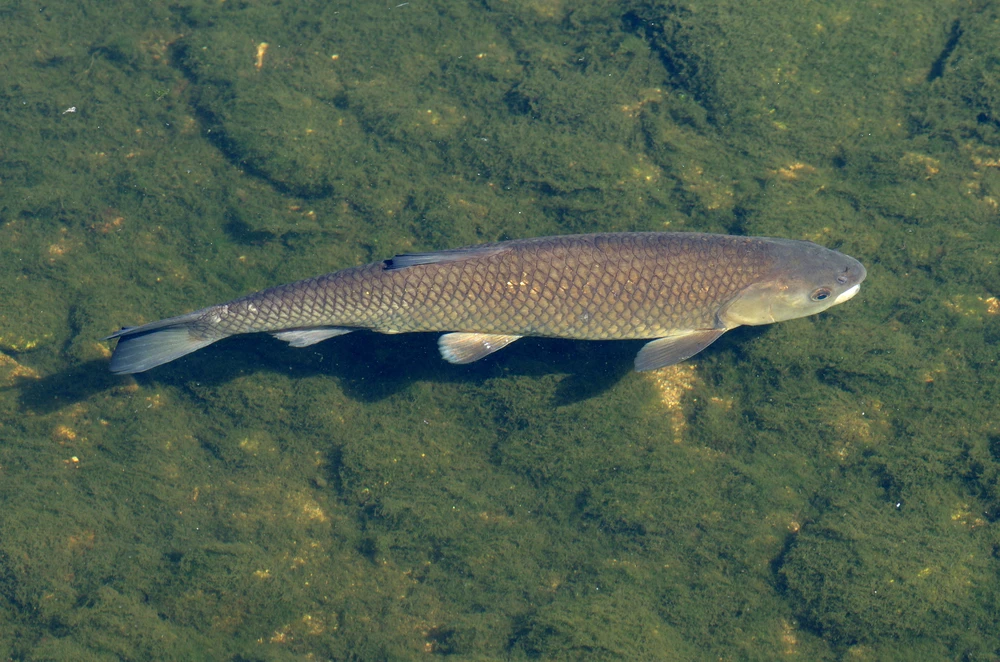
(679, 290)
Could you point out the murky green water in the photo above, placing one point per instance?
(826, 488)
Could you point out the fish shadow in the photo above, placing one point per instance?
(53, 392)
(370, 366)
(373, 366)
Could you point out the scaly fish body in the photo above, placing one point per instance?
(684, 289)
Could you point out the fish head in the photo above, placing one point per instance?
(804, 279)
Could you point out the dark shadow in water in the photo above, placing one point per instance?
(53, 392)
(371, 366)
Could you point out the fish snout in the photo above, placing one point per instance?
(847, 294)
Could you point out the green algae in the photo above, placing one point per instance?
(361, 500)
(849, 580)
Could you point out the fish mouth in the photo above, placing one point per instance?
(847, 294)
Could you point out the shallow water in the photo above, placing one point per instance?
(818, 489)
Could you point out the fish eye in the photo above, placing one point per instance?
(820, 294)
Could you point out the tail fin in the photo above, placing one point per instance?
(143, 347)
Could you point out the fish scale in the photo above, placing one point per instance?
(531, 288)
(684, 289)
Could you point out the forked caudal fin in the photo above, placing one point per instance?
(143, 347)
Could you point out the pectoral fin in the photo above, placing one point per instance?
(306, 337)
(469, 347)
(662, 352)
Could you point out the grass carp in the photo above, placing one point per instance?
(682, 290)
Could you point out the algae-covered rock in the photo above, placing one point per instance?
(964, 90)
(870, 571)
(604, 627)
(276, 120)
(794, 74)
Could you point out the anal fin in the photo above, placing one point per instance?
(662, 352)
(468, 347)
(306, 337)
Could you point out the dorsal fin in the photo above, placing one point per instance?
(439, 257)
